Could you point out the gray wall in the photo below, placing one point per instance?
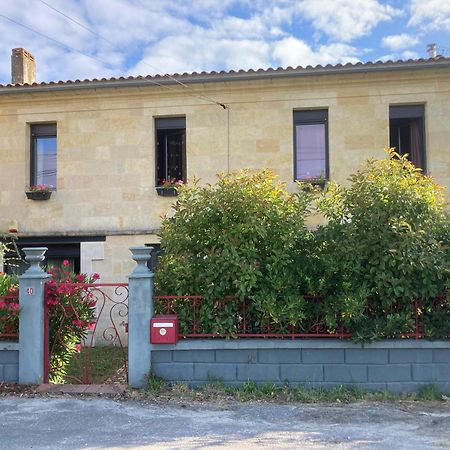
(398, 365)
(9, 362)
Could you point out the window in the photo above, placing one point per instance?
(60, 248)
(43, 155)
(406, 132)
(170, 149)
(311, 144)
(54, 257)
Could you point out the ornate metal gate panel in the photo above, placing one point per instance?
(86, 332)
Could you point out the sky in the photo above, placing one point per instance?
(79, 39)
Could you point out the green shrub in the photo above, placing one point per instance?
(8, 284)
(241, 237)
(386, 244)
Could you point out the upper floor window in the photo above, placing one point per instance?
(311, 144)
(170, 149)
(43, 155)
(406, 132)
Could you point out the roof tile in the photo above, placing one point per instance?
(236, 74)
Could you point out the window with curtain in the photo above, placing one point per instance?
(43, 155)
(406, 132)
(311, 144)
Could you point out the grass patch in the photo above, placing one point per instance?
(429, 392)
(251, 391)
(96, 365)
(155, 384)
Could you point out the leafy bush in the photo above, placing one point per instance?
(241, 237)
(8, 284)
(71, 315)
(386, 244)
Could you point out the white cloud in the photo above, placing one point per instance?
(158, 36)
(389, 57)
(202, 51)
(399, 41)
(346, 20)
(403, 56)
(409, 55)
(432, 14)
(294, 52)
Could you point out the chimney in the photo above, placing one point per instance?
(23, 67)
(432, 50)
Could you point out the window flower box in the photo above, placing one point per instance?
(169, 187)
(313, 184)
(166, 191)
(41, 192)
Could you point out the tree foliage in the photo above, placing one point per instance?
(381, 263)
(386, 244)
(239, 237)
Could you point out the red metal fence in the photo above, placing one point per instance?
(79, 317)
(9, 316)
(193, 310)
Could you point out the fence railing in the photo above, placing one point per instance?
(9, 316)
(232, 317)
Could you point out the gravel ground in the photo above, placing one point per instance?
(75, 423)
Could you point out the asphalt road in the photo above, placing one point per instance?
(70, 423)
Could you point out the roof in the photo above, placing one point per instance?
(232, 75)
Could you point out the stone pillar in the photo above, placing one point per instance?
(31, 321)
(140, 311)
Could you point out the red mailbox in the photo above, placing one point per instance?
(164, 329)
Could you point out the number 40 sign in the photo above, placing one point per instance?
(29, 291)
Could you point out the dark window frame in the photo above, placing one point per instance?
(310, 117)
(40, 130)
(407, 112)
(59, 247)
(174, 124)
(55, 252)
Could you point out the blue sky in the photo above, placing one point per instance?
(141, 37)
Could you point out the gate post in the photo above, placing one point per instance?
(140, 311)
(31, 320)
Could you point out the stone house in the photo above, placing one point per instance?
(106, 145)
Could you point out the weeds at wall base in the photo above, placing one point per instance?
(216, 389)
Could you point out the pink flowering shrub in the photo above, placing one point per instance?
(71, 309)
(9, 306)
(171, 183)
(41, 188)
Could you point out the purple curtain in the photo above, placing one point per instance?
(415, 156)
(311, 151)
(45, 161)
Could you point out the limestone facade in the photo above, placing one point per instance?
(106, 145)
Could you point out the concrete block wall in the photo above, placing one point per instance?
(9, 362)
(398, 365)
